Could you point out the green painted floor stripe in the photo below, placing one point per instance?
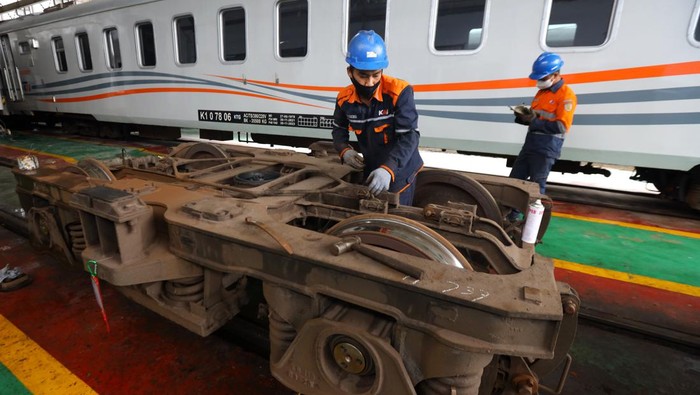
(38, 152)
(692, 235)
(70, 148)
(9, 385)
(643, 252)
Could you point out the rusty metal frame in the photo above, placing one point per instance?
(185, 221)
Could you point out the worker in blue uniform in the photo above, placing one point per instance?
(381, 112)
(548, 121)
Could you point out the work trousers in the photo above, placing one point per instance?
(533, 167)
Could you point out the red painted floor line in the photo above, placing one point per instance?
(653, 306)
(143, 354)
(681, 224)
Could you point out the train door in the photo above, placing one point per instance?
(12, 85)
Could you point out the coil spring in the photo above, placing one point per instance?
(77, 238)
(186, 290)
(281, 335)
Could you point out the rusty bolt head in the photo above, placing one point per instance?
(525, 384)
(570, 307)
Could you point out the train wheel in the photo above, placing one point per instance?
(40, 228)
(112, 130)
(45, 232)
(692, 197)
(95, 169)
(441, 186)
(203, 151)
(692, 190)
(402, 235)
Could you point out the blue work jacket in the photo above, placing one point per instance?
(386, 130)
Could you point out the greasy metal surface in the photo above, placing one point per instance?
(181, 234)
(605, 359)
(401, 234)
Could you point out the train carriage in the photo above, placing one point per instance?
(271, 69)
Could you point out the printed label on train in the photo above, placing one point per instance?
(267, 118)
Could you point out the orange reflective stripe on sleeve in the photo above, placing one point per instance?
(344, 151)
(389, 170)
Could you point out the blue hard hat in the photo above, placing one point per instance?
(366, 51)
(545, 64)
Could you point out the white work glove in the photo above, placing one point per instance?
(378, 181)
(353, 158)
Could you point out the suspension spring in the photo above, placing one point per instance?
(186, 290)
(77, 238)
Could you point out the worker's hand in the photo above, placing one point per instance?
(524, 119)
(523, 115)
(378, 181)
(354, 159)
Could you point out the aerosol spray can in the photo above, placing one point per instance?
(533, 221)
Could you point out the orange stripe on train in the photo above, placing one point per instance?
(291, 86)
(168, 90)
(663, 70)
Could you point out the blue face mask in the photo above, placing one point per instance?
(364, 92)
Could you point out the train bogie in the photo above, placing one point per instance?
(361, 294)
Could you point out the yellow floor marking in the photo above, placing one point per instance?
(629, 225)
(33, 366)
(35, 152)
(628, 278)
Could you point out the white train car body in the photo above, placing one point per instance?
(274, 67)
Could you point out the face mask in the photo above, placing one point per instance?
(364, 92)
(545, 84)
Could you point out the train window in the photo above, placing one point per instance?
(579, 23)
(59, 55)
(459, 25)
(23, 47)
(84, 56)
(694, 26)
(366, 15)
(233, 34)
(293, 25)
(186, 46)
(146, 44)
(114, 55)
